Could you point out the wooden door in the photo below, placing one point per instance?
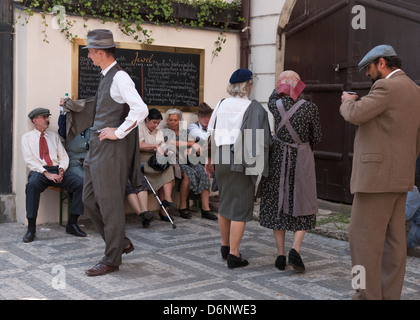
(324, 47)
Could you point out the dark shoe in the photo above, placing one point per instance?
(184, 213)
(172, 211)
(170, 208)
(281, 262)
(128, 248)
(168, 204)
(224, 250)
(75, 230)
(145, 218)
(296, 261)
(29, 235)
(164, 217)
(235, 262)
(207, 214)
(100, 269)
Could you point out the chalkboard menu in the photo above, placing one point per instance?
(164, 76)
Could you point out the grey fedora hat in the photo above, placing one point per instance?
(383, 50)
(100, 39)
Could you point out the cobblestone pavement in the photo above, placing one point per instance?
(175, 264)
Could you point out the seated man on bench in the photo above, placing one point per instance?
(48, 161)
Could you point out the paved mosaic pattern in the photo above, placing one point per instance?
(175, 264)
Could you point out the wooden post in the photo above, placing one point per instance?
(6, 95)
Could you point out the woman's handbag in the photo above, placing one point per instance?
(156, 165)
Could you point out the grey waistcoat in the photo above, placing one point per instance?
(109, 113)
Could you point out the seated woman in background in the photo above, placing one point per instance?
(151, 139)
(193, 176)
(137, 198)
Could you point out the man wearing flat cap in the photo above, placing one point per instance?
(48, 161)
(113, 151)
(386, 147)
(198, 130)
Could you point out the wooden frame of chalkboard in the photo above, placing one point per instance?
(165, 77)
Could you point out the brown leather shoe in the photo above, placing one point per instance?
(100, 269)
(128, 248)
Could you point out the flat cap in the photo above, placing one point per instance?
(383, 50)
(241, 75)
(38, 112)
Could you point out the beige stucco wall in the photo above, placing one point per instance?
(43, 74)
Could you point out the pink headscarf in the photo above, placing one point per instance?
(289, 83)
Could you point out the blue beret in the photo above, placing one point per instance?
(38, 112)
(240, 75)
(377, 52)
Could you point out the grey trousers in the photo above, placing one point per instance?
(106, 172)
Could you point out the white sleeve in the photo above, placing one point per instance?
(30, 158)
(123, 90)
(195, 131)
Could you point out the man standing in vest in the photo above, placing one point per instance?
(109, 162)
(386, 147)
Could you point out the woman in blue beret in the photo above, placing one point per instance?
(239, 159)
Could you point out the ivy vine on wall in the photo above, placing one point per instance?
(133, 16)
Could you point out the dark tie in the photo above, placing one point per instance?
(43, 150)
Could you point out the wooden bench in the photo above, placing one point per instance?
(64, 198)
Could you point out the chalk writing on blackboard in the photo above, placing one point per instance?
(162, 78)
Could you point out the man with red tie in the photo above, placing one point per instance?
(47, 161)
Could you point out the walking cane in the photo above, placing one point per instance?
(157, 198)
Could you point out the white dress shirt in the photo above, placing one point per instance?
(389, 76)
(196, 131)
(30, 150)
(123, 90)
